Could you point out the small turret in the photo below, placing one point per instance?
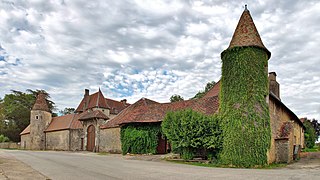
(243, 92)
(40, 118)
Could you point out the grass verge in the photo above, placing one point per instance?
(270, 166)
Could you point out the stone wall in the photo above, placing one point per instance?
(282, 150)
(76, 140)
(39, 120)
(25, 141)
(278, 116)
(57, 140)
(9, 145)
(110, 140)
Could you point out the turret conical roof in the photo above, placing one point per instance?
(41, 103)
(246, 33)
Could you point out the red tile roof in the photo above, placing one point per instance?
(70, 121)
(146, 110)
(41, 103)
(116, 106)
(94, 100)
(214, 91)
(93, 114)
(26, 130)
(246, 33)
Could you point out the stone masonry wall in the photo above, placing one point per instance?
(76, 136)
(110, 140)
(282, 150)
(25, 141)
(57, 140)
(39, 120)
(279, 116)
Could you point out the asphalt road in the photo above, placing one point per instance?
(67, 165)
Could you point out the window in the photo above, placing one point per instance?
(37, 117)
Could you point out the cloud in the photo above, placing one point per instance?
(156, 48)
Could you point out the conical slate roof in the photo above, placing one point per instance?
(246, 33)
(41, 103)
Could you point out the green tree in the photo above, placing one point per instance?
(316, 126)
(15, 112)
(67, 111)
(309, 134)
(200, 94)
(191, 132)
(3, 138)
(175, 98)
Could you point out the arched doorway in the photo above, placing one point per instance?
(91, 134)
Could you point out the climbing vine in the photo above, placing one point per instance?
(243, 107)
(140, 139)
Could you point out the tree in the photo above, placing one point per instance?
(15, 112)
(175, 98)
(191, 132)
(310, 135)
(200, 94)
(67, 111)
(316, 126)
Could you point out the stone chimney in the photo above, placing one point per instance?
(86, 99)
(274, 86)
(124, 102)
(86, 92)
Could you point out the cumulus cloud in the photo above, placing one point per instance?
(133, 49)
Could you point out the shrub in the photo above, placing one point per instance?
(140, 139)
(3, 138)
(192, 133)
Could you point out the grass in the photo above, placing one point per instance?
(103, 153)
(314, 149)
(270, 166)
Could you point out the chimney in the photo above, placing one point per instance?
(86, 99)
(86, 92)
(124, 101)
(274, 86)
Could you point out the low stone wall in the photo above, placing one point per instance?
(110, 140)
(9, 145)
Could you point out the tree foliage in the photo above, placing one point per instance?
(15, 112)
(200, 94)
(67, 111)
(243, 107)
(316, 126)
(175, 98)
(310, 134)
(191, 132)
(3, 138)
(140, 139)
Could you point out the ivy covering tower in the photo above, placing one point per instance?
(243, 96)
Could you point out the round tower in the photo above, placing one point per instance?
(243, 95)
(40, 118)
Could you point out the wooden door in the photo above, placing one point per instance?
(91, 134)
(162, 145)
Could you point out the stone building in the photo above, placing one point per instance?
(97, 121)
(287, 131)
(73, 132)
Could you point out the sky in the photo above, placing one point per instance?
(152, 48)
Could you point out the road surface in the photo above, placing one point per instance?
(68, 165)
